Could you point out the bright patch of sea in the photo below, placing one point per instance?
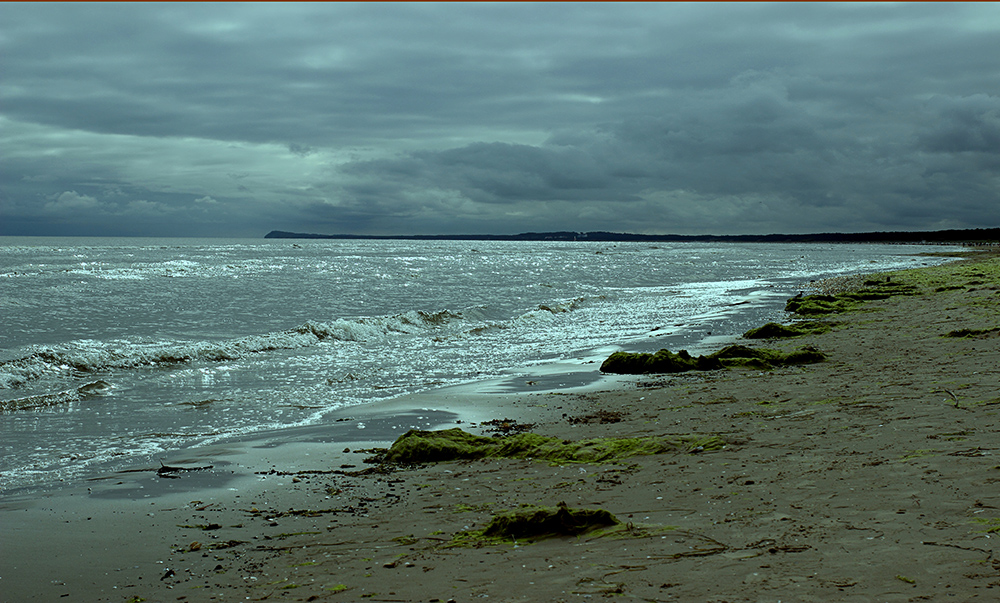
(117, 350)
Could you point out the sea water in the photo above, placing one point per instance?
(115, 351)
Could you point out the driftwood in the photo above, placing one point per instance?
(171, 472)
(168, 471)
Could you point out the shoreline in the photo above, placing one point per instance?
(694, 333)
(771, 513)
(145, 396)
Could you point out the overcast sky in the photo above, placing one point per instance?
(233, 120)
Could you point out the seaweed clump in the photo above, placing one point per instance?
(813, 305)
(663, 361)
(764, 358)
(973, 333)
(773, 330)
(418, 446)
(601, 416)
(733, 356)
(536, 523)
(531, 523)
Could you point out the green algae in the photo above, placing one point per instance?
(417, 446)
(773, 330)
(408, 540)
(531, 523)
(663, 361)
(921, 453)
(464, 508)
(536, 523)
(972, 333)
(740, 355)
(954, 436)
(992, 525)
(816, 305)
(290, 534)
(228, 544)
(733, 356)
(951, 276)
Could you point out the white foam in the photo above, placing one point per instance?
(92, 355)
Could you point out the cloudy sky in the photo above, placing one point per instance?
(233, 120)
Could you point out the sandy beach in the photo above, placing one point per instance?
(869, 477)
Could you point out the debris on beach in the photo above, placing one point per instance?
(507, 426)
(171, 472)
(167, 471)
(602, 416)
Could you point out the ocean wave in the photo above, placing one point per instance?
(93, 356)
(368, 329)
(544, 313)
(570, 305)
(88, 356)
(547, 311)
(94, 388)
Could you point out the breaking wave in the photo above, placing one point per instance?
(87, 390)
(89, 356)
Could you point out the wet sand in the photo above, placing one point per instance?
(872, 476)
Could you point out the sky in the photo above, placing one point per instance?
(231, 120)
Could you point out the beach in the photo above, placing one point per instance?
(868, 477)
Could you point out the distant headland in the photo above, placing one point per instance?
(967, 236)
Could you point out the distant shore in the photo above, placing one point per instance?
(866, 477)
(978, 236)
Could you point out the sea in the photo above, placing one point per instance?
(115, 352)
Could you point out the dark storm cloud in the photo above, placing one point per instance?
(970, 124)
(446, 118)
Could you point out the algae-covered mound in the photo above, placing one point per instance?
(546, 522)
(773, 330)
(741, 356)
(734, 356)
(664, 361)
(813, 305)
(973, 333)
(417, 446)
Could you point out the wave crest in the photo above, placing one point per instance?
(87, 390)
(89, 356)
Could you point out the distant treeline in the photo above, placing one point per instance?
(978, 235)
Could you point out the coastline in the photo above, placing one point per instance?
(863, 477)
